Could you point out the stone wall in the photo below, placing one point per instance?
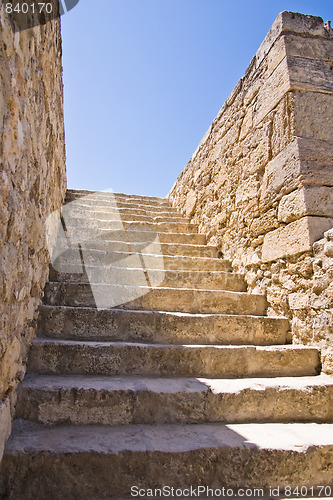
(32, 184)
(260, 184)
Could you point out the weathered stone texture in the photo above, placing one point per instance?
(32, 184)
(301, 288)
(260, 184)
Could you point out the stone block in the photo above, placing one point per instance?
(281, 175)
(291, 23)
(310, 74)
(316, 161)
(191, 200)
(5, 423)
(304, 24)
(313, 115)
(311, 48)
(247, 192)
(292, 206)
(302, 162)
(271, 92)
(295, 238)
(298, 300)
(310, 200)
(10, 364)
(266, 222)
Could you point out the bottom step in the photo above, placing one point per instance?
(101, 462)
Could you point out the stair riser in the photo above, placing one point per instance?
(77, 235)
(137, 326)
(129, 406)
(51, 474)
(117, 275)
(180, 361)
(156, 299)
(78, 224)
(103, 258)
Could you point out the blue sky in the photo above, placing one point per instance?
(143, 80)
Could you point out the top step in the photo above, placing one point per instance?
(72, 195)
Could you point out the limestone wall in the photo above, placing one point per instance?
(32, 184)
(260, 184)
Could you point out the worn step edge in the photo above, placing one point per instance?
(108, 461)
(50, 356)
(87, 400)
(160, 327)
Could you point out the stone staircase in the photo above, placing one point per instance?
(185, 383)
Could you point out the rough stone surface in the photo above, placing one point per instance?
(249, 455)
(142, 374)
(84, 400)
(32, 184)
(295, 238)
(260, 183)
(154, 372)
(6, 422)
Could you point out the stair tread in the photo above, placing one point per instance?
(171, 385)
(29, 437)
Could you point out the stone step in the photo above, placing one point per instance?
(91, 462)
(165, 249)
(89, 205)
(127, 215)
(135, 235)
(86, 400)
(75, 194)
(118, 275)
(160, 327)
(135, 225)
(103, 195)
(72, 257)
(111, 202)
(122, 201)
(125, 358)
(154, 299)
